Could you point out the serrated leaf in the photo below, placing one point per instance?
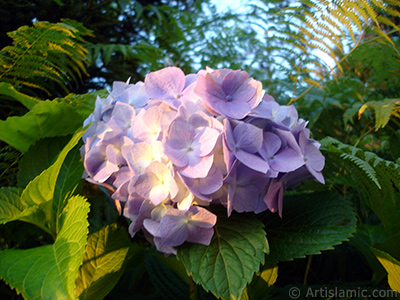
(104, 262)
(46, 119)
(8, 90)
(310, 224)
(38, 158)
(392, 266)
(236, 251)
(49, 272)
(377, 186)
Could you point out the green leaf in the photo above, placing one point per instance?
(262, 282)
(392, 266)
(41, 189)
(166, 280)
(69, 177)
(11, 207)
(377, 186)
(310, 224)
(49, 272)
(38, 158)
(236, 251)
(395, 144)
(8, 90)
(46, 119)
(383, 110)
(104, 262)
(83, 104)
(366, 237)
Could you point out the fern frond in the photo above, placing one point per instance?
(376, 180)
(331, 27)
(383, 111)
(44, 56)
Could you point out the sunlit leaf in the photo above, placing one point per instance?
(49, 272)
(46, 119)
(392, 266)
(104, 262)
(8, 90)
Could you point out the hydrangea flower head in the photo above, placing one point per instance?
(172, 145)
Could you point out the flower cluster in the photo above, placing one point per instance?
(175, 143)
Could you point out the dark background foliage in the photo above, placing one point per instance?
(131, 38)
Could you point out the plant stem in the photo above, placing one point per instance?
(307, 269)
(364, 134)
(192, 289)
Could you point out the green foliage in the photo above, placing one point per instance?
(35, 203)
(83, 104)
(236, 251)
(46, 119)
(310, 28)
(42, 188)
(104, 262)
(358, 104)
(311, 223)
(45, 57)
(11, 93)
(262, 282)
(392, 266)
(383, 110)
(368, 235)
(377, 182)
(39, 157)
(49, 271)
(11, 207)
(164, 277)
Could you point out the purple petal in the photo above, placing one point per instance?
(248, 137)
(165, 84)
(233, 109)
(153, 227)
(234, 80)
(198, 167)
(206, 138)
(201, 217)
(286, 160)
(228, 135)
(200, 235)
(271, 144)
(212, 182)
(314, 158)
(317, 175)
(173, 227)
(274, 197)
(253, 161)
(290, 140)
